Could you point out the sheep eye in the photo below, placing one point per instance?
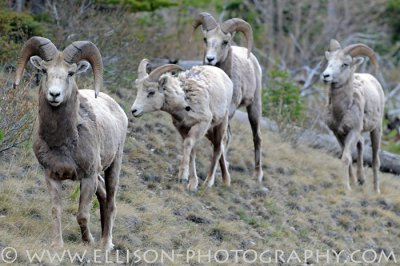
(151, 93)
(224, 42)
(345, 65)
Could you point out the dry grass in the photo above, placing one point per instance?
(306, 206)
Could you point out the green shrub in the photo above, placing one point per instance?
(393, 11)
(15, 28)
(281, 99)
(18, 113)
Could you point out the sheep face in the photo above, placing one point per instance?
(340, 67)
(149, 97)
(217, 45)
(58, 78)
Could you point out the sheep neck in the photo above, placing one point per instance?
(175, 105)
(341, 97)
(58, 125)
(226, 65)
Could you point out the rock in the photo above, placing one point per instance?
(261, 192)
(197, 220)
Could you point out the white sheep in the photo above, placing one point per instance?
(80, 133)
(356, 105)
(241, 66)
(198, 101)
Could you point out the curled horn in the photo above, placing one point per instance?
(85, 50)
(142, 69)
(206, 20)
(334, 45)
(156, 73)
(362, 49)
(237, 24)
(34, 46)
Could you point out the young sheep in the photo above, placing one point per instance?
(356, 103)
(241, 66)
(80, 133)
(198, 101)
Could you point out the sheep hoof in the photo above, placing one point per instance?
(89, 241)
(57, 244)
(226, 183)
(183, 181)
(259, 175)
(107, 246)
(208, 183)
(192, 187)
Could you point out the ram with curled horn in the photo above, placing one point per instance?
(80, 134)
(241, 66)
(198, 101)
(356, 105)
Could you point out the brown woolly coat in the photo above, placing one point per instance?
(81, 137)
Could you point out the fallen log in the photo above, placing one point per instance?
(390, 162)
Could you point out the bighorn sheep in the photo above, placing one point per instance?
(80, 133)
(356, 103)
(241, 66)
(198, 101)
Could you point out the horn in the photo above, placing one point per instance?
(142, 69)
(206, 20)
(237, 24)
(334, 45)
(156, 73)
(34, 46)
(362, 49)
(85, 50)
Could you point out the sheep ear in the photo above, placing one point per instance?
(83, 66)
(36, 61)
(162, 82)
(358, 61)
(327, 55)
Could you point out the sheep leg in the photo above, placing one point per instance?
(192, 166)
(360, 162)
(111, 180)
(376, 142)
(217, 140)
(254, 113)
(224, 165)
(88, 188)
(102, 198)
(194, 134)
(346, 155)
(54, 187)
(227, 142)
(353, 179)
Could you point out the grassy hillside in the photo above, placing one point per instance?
(302, 204)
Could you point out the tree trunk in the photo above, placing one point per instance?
(19, 5)
(37, 6)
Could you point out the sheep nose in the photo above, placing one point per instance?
(134, 111)
(326, 75)
(210, 58)
(54, 94)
